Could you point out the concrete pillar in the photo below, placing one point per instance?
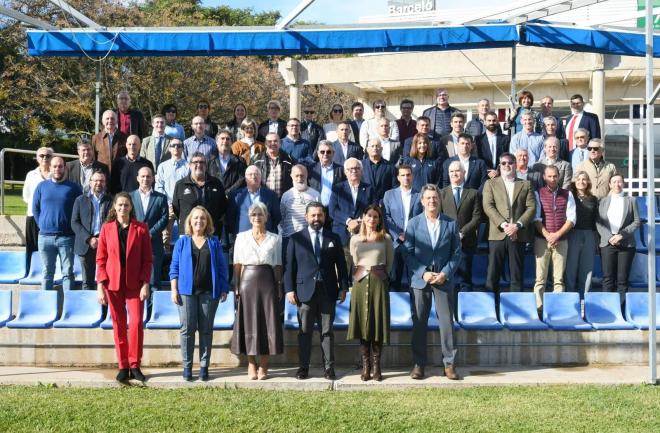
(294, 101)
(598, 96)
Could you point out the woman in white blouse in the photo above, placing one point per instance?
(618, 218)
(32, 180)
(258, 287)
(336, 117)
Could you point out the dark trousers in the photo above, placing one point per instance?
(420, 303)
(88, 269)
(499, 251)
(463, 278)
(616, 268)
(31, 236)
(319, 309)
(399, 278)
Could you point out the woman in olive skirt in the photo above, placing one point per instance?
(258, 287)
(369, 321)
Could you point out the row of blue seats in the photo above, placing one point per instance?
(642, 206)
(476, 310)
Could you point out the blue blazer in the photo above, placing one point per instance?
(354, 151)
(476, 177)
(181, 267)
(302, 267)
(589, 122)
(236, 217)
(155, 217)
(395, 214)
(341, 207)
(314, 178)
(421, 258)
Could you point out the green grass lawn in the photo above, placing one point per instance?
(481, 409)
(14, 204)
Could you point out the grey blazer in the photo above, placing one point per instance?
(628, 227)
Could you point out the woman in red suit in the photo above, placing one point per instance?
(123, 271)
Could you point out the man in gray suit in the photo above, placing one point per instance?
(89, 212)
(434, 253)
(156, 148)
(151, 208)
(551, 157)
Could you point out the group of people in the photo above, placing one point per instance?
(292, 211)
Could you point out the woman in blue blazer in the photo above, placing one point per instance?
(198, 274)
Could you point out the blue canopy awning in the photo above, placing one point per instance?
(235, 42)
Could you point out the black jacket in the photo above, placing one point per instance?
(262, 130)
(262, 163)
(233, 177)
(73, 172)
(313, 134)
(139, 125)
(211, 195)
(124, 173)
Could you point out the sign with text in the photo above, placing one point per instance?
(409, 7)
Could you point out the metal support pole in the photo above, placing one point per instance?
(98, 97)
(513, 75)
(650, 190)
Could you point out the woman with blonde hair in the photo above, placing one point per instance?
(198, 275)
(369, 320)
(247, 146)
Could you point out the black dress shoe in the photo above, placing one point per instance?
(123, 375)
(302, 373)
(137, 374)
(417, 373)
(330, 374)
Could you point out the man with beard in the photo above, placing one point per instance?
(492, 143)
(294, 203)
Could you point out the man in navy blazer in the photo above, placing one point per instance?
(344, 148)
(325, 166)
(477, 173)
(349, 200)
(434, 253)
(86, 223)
(492, 140)
(400, 204)
(580, 119)
(315, 278)
(155, 215)
(241, 199)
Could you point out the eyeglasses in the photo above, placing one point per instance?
(597, 148)
(379, 107)
(506, 162)
(350, 169)
(198, 162)
(309, 112)
(325, 152)
(580, 137)
(176, 146)
(256, 214)
(202, 106)
(44, 156)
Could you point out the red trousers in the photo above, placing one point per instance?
(128, 345)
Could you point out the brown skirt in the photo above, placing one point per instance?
(258, 327)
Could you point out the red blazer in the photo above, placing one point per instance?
(138, 257)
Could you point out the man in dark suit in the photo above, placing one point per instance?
(357, 111)
(347, 204)
(81, 170)
(463, 204)
(344, 148)
(314, 279)
(126, 168)
(229, 168)
(89, 212)
(477, 173)
(130, 121)
(326, 173)
(377, 171)
(110, 143)
(151, 208)
(433, 254)
(400, 204)
(241, 199)
(491, 144)
(309, 129)
(273, 124)
(580, 119)
(510, 206)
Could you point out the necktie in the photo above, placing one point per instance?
(493, 150)
(457, 195)
(159, 148)
(317, 246)
(571, 125)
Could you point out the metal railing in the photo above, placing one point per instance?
(2, 169)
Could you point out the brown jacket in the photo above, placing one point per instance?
(496, 207)
(242, 150)
(600, 180)
(100, 145)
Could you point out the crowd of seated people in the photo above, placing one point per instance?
(248, 197)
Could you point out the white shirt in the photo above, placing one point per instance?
(387, 148)
(433, 227)
(144, 198)
(466, 165)
(32, 180)
(615, 213)
(251, 253)
(492, 142)
(405, 199)
(354, 192)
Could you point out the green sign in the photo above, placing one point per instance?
(641, 21)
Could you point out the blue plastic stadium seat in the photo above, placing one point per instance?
(80, 309)
(640, 243)
(479, 267)
(482, 238)
(36, 309)
(642, 206)
(400, 314)
(290, 316)
(5, 307)
(164, 313)
(603, 311)
(107, 323)
(476, 310)
(637, 309)
(342, 313)
(224, 315)
(35, 274)
(433, 322)
(518, 312)
(12, 266)
(561, 311)
(639, 271)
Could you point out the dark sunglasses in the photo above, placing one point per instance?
(593, 148)
(379, 106)
(202, 106)
(172, 110)
(325, 152)
(309, 112)
(45, 155)
(506, 163)
(198, 162)
(177, 146)
(337, 110)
